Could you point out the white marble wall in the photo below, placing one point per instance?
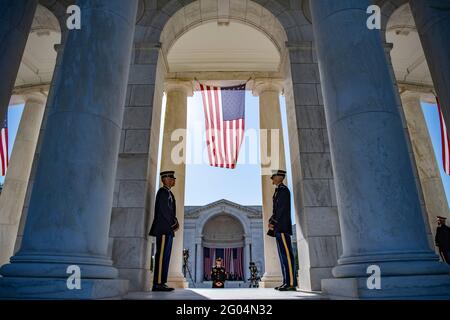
(252, 224)
(318, 231)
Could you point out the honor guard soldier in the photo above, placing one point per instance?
(164, 226)
(442, 239)
(280, 227)
(218, 274)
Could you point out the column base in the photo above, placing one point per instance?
(392, 265)
(177, 281)
(271, 281)
(56, 289)
(428, 287)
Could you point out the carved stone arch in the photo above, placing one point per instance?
(388, 7)
(59, 10)
(206, 216)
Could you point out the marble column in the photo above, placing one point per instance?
(379, 208)
(432, 19)
(247, 260)
(199, 263)
(70, 207)
(16, 18)
(427, 165)
(270, 125)
(16, 181)
(173, 157)
(408, 134)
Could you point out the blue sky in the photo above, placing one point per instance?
(205, 184)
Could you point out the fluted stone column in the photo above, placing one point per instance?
(199, 263)
(247, 260)
(379, 208)
(407, 126)
(427, 165)
(16, 180)
(269, 91)
(432, 19)
(172, 158)
(70, 207)
(16, 18)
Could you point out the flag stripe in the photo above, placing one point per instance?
(4, 159)
(220, 127)
(213, 125)
(225, 128)
(444, 140)
(207, 125)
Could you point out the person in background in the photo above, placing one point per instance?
(218, 274)
(442, 239)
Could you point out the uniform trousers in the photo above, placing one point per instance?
(287, 261)
(162, 259)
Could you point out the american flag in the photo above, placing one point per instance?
(445, 141)
(232, 261)
(4, 148)
(209, 257)
(238, 264)
(224, 109)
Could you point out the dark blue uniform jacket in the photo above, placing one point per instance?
(165, 221)
(281, 217)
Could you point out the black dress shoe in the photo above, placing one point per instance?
(168, 288)
(161, 288)
(278, 288)
(287, 288)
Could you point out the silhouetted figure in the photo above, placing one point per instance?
(443, 238)
(218, 274)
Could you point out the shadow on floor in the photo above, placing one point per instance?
(224, 294)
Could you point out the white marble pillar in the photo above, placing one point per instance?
(173, 157)
(427, 165)
(16, 18)
(247, 257)
(270, 124)
(432, 18)
(199, 263)
(381, 220)
(16, 180)
(408, 134)
(69, 215)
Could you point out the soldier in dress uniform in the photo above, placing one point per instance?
(442, 239)
(164, 226)
(280, 227)
(218, 274)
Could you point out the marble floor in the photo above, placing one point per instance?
(224, 294)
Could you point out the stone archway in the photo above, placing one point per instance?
(45, 260)
(318, 242)
(224, 232)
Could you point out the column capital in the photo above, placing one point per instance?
(39, 97)
(410, 94)
(21, 96)
(184, 86)
(413, 93)
(262, 85)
